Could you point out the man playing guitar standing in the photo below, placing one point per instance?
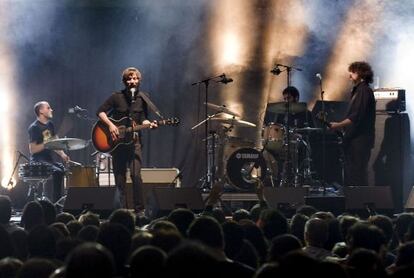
(359, 125)
(127, 103)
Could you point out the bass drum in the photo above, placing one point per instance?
(82, 176)
(244, 166)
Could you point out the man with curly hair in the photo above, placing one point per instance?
(358, 125)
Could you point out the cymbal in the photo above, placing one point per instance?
(307, 129)
(281, 107)
(67, 144)
(233, 122)
(221, 108)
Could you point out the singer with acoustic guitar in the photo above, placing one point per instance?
(129, 106)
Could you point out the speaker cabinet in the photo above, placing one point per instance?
(368, 198)
(409, 205)
(389, 164)
(334, 204)
(101, 200)
(162, 200)
(286, 199)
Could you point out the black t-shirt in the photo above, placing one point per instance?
(361, 112)
(120, 105)
(40, 133)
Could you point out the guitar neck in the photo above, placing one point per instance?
(144, 126)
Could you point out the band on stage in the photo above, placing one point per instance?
(284, 158)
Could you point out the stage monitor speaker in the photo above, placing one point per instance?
(334, 204)
(163, 200)
(409, 205)
(368, 198)
(101, 200)
(286, 199)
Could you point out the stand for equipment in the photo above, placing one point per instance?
(210, 140)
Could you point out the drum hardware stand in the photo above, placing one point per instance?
(288, 175)
(307, 167)
(60, 203)
(210, 142)
(34, 184)
(209, 178)
(269, 169)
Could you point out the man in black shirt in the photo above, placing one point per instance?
(127, 103)
(359, 125)
(41, 131)
(298, 120)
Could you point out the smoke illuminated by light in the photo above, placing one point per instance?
(354, 43)
(230, 33)
(288, 18)
(7, 142)
(231, 51)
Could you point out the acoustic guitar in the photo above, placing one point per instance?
(102, 139)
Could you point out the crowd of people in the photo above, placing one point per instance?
(260, 242)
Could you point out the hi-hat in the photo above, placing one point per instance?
(221, 108)
(282, 107)
(67, 144)
(233, 122)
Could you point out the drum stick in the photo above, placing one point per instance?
(75, 163)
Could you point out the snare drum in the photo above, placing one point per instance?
(82, 176)
(35, 171)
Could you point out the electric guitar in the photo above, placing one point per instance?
(322, 118)
(102, 139)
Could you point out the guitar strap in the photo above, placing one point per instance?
(150, 104)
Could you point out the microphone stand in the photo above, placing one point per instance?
(210, 165)
(322, 92)
(21, 155)
(287, 173)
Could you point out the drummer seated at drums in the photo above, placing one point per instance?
(299, 116)
(41, 131)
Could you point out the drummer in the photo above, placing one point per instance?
(41, 131)
(296, 119)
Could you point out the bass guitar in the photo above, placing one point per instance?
(102, 139)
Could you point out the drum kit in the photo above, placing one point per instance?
(284, 158)
(36, 174)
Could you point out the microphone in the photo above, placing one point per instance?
(132, 90)
(318, 75)
(224, 79)
(76, 110)
(276, 70)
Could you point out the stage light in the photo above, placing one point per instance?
(7, 183)
(7, 93)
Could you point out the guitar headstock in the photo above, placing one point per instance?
(174, 121)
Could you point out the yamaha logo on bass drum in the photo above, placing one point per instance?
(247, 155)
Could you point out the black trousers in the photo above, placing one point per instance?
(357, 153)
(123, 158)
